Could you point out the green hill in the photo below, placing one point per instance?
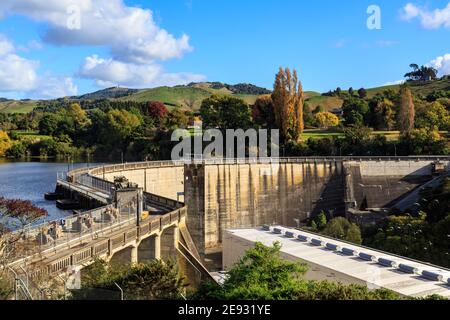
(16, 106)
(191, 95)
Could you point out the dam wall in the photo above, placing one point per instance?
(225, 196)
(163, 181)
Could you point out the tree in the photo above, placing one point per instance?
(263, 113)
(5, 143)
(225, 112)
(320, 221)
(326, 119)
(384, 114)
(433, 116)
(48, 124)
(157, 110)
(355, 111)
(422, 73)
(341, 228)
(407, 110)
(177, 119)
(288, 100)
(362, 93)
(120, 125)
(15, 214)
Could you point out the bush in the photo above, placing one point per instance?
(341, 228)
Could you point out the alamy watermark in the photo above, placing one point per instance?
(73, 17)
(374, 19)
(225, 144)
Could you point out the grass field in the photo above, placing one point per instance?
(321, 134)
(28, 135)
(17, 106)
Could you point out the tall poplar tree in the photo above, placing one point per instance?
(407, 110)
(288, 100)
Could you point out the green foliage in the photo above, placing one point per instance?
(341, 228)
(145, 281)
(423, 142)
(424, 237)
(319, 222)
(355, 111)
(225, 112)
(6, 289)
(262, 275)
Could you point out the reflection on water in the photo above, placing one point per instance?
(31, 180)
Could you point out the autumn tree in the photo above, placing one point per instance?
(157, 110)
(288, 100)
(5, 143)
(407, 110)
(326, 119)
(15, 215)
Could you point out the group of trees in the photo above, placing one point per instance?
(153, 280)
(109, 130)
(422, 73)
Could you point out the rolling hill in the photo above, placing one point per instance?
(190, 96)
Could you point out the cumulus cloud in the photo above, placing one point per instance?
(135, 42)
(18, 74)
(110, 72)
(429, 19)
(442, 64)
(50, 87)
(131, 33)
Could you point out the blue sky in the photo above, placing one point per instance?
(231, 41)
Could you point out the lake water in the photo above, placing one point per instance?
(31, 180)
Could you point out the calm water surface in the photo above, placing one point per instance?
(31, 180)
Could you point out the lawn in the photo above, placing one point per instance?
(28, 135)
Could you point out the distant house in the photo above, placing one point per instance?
(197, 123)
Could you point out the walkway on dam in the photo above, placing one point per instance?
(331, 259)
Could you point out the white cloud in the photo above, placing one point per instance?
(16, 73)
(131, 33)
(429, 19)
(5, 46)
(442, 64)
(20, 75)
(50, 87)
(391, 83)
(110, 72)
(135, 41)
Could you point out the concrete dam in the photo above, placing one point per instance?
(227, 194)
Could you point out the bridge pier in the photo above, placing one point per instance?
(150, 248)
